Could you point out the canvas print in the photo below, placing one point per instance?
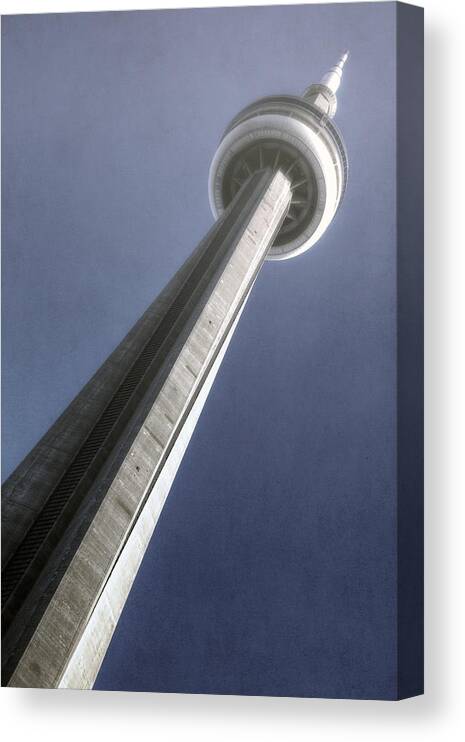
(212, 351)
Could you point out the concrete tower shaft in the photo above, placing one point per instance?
(79, 511)
(296, 135)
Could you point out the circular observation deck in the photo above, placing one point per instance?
(290, 134)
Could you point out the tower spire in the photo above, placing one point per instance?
(323, 94)
(332, 79)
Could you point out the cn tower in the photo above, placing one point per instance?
(79, 511)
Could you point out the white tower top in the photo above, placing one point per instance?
(296, 135)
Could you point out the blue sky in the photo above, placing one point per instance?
(281, 519)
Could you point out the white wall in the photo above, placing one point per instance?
(439, 714)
